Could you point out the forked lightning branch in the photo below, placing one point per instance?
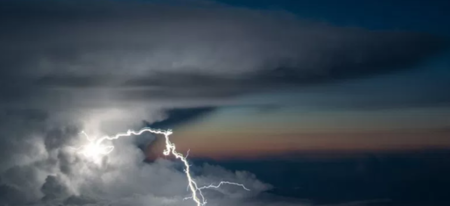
(95, 149)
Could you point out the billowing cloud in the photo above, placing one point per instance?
(46, 168)
(104, 67)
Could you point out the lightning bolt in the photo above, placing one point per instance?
(95, 149)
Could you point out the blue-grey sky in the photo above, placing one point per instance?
(414, 15)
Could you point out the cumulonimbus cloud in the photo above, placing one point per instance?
(71, 65)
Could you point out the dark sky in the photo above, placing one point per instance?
(415, 15)
(305, 102)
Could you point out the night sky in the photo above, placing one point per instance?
(305, 102)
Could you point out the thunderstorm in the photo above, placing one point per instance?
(95, 149)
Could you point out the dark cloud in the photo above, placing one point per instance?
(170, 51)
(178, 117)
(53, 188)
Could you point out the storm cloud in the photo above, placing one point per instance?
(205, 50)
(104, 67)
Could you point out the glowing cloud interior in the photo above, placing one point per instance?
(95, 149)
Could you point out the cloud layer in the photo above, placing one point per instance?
(168, 51)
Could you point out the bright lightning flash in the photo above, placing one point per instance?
(96, 150)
